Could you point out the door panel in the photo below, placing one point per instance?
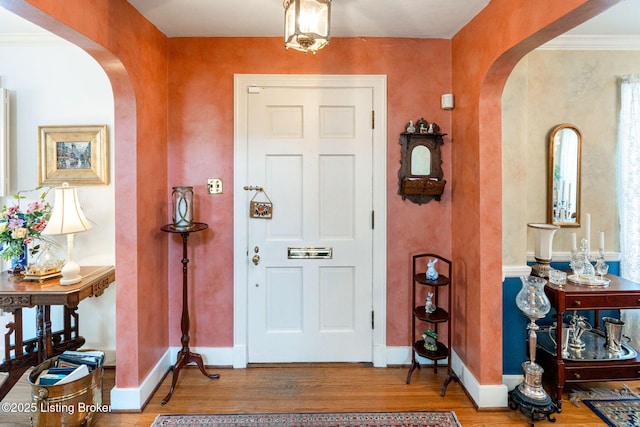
(311, 150)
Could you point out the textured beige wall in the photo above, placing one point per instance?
(548, 88)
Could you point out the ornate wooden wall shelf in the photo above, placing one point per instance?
(420, 174)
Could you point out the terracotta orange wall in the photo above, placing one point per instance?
(133, 54)
(201, 146)
(200, 136)
(481, 63)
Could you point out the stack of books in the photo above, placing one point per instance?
(71, 366)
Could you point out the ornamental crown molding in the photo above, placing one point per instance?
(571, 42)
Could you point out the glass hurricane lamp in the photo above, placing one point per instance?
(307, 24)
(533, 302)
(529, 396)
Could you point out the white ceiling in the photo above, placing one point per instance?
(350, 18)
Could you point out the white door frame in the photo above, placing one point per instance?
(240, 203)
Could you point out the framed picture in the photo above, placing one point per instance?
(78, 155)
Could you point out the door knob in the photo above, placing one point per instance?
(256, 259)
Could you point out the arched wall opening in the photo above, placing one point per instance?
(482, 63)
(138, 80)
(482, 60)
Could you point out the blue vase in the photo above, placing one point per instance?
(19, 264)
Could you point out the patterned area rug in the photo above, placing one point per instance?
(347, 419)
(618, 412)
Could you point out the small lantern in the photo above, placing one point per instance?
(306, 24)
(182, 198)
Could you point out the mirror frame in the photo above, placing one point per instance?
(550, 176)
(421, 188)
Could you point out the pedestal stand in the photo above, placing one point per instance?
(529, 396)
(533, 408)
(185, 356)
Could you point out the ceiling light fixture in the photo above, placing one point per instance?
(306, 24)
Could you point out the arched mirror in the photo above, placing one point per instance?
(563, 190)
(420, 160)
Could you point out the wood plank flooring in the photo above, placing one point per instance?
(313, 388)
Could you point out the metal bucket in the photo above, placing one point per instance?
(71, 404)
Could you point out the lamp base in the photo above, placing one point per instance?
(536, 409)
(541, 269)
(70, 274)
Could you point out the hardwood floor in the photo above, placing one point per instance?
(313, 388)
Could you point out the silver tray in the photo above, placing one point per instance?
(589, 281)
(595, 349)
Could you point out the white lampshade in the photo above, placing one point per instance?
(67, 218)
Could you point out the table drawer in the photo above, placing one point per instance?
(584, 302)
(602, 373)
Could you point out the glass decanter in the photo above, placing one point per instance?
(46, 263)
(582, 267)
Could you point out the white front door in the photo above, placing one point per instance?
(310, 293)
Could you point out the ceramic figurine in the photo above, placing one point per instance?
(432, 274)
(429, 307)
(411, 128)
(430, 340)
(422, 125)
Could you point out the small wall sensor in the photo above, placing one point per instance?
(446, 102)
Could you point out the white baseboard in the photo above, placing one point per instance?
(136, 397)
(129, 399)
(512, 381)
(484, 396)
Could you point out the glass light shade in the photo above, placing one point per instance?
(531, 299)
(182, 207)
(544, 240)
(307, 24)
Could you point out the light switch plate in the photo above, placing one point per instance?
(214, 185)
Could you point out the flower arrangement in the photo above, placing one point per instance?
(19, 228)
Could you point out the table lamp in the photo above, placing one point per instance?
(543, 234)
(67, 218)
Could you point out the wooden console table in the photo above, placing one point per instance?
(16, 294)
(620, 294)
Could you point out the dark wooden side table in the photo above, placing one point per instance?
(16, 294)
(620, 294)
(185, 356)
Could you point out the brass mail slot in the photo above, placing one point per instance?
(310, 253)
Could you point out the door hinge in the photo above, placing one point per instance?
(373, 220)
(372, 320)
(373, 119)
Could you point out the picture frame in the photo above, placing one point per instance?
(78, 155)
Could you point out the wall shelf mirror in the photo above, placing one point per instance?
(420, 174)
(563, 189)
